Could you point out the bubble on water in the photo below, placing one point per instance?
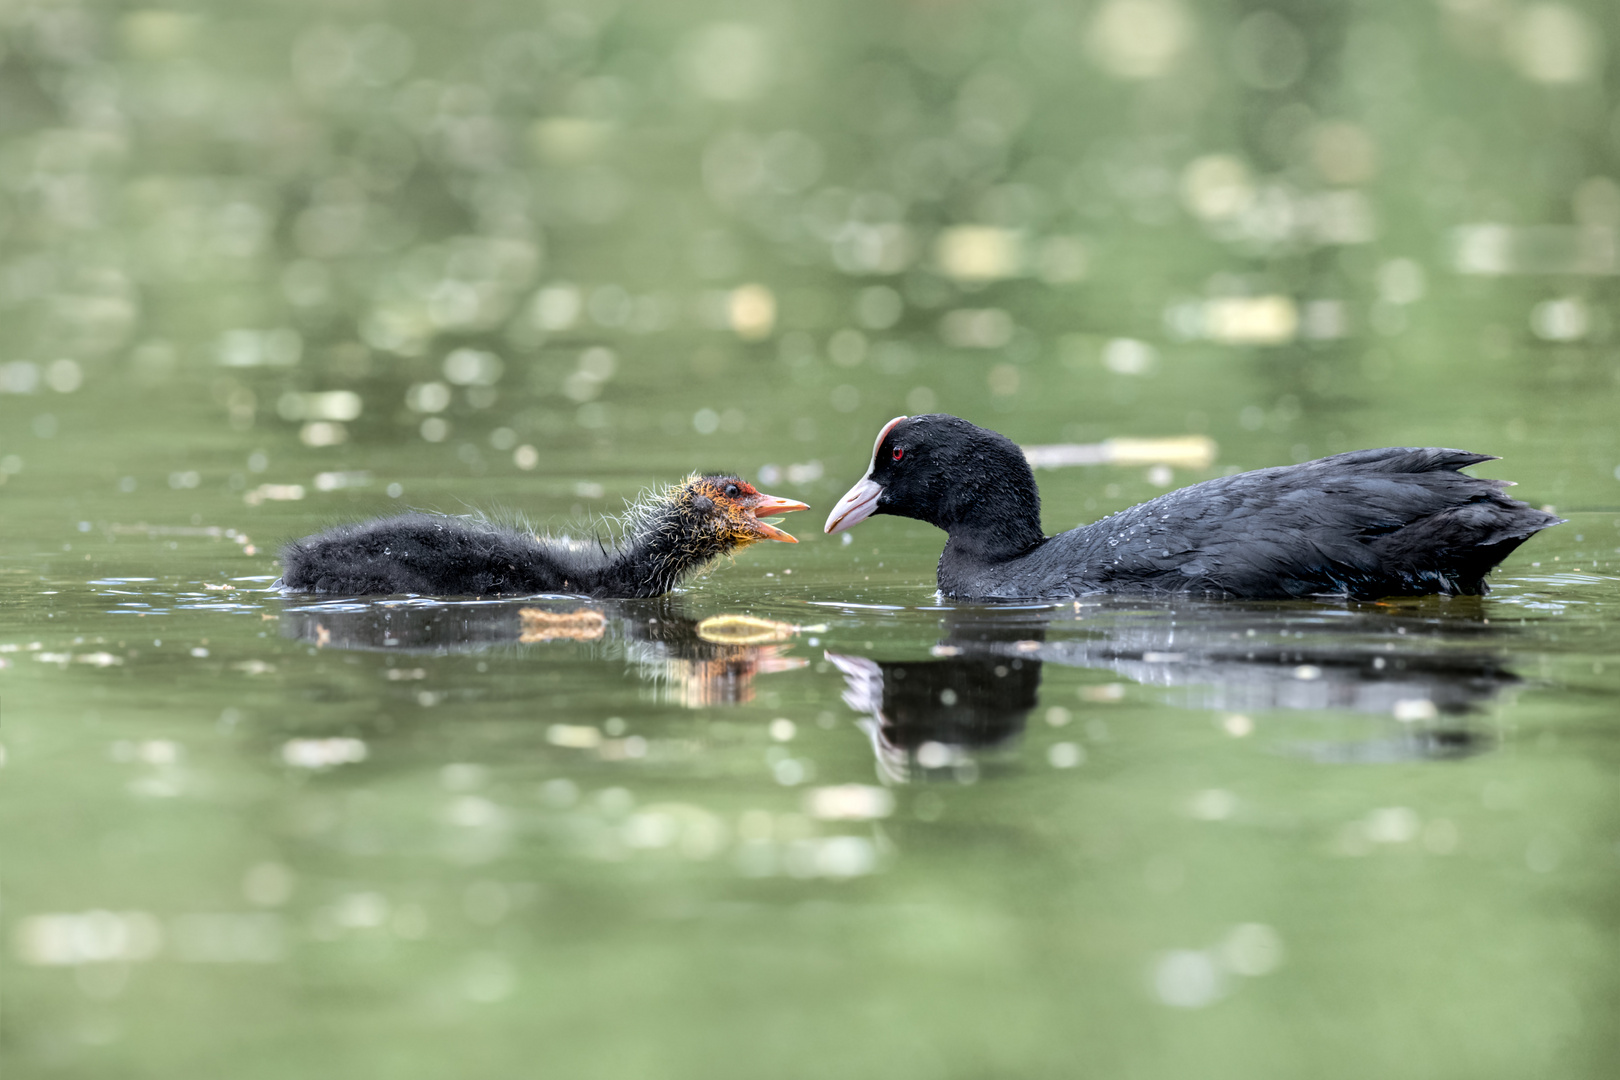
(556, 307)
(1391, 825)
(1065, 755)
(850, 802)
(88, 937)
(323, 753)
(326, 433)
(979, 253)
(428, 397)
(751, 312)
(1250, 320)
(1187, 979)
(1553, 43)
(728, 61)
(1410, 710)
(1127, 356)
(1566, 319)
(64, 376)
(1402, 281)
(1217, 187)
(845, 856)
(19, 377)
(471, 367)
(1237, 725)
(1213, 804)
(1139, 39)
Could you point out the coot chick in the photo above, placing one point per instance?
(662, 539)
(1395, 522)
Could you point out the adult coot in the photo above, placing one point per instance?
(662, 538)
(1395, 522)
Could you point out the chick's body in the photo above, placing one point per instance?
(662, 539)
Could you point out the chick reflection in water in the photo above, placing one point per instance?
(1424, 673)
(687, 663)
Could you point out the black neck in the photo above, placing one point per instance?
(992, 508)
(658, 549)
(993, 539)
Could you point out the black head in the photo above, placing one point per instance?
(973, 483)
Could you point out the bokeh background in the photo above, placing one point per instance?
(411, 241)
(268, 266)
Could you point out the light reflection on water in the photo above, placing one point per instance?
(653, 638)
(444, 805)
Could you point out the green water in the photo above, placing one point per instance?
(268, 267)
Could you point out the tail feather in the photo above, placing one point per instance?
(1458, 546)
(1404, 459)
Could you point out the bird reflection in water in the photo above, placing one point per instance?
(686, 664)
(699, 666)
(942, 717)
(1426, 666)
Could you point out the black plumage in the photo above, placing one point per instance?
(661, 539)
(1400, 521)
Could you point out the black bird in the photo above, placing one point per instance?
(1401, 521)
(662, 538)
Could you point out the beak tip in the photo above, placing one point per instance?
(762, 530)
(765, 505)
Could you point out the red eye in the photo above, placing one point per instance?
(898, 453)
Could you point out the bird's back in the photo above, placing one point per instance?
(432, 554)
(1396, 521)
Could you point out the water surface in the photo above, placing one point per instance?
(267, 269)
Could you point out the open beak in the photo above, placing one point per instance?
(768, 506)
